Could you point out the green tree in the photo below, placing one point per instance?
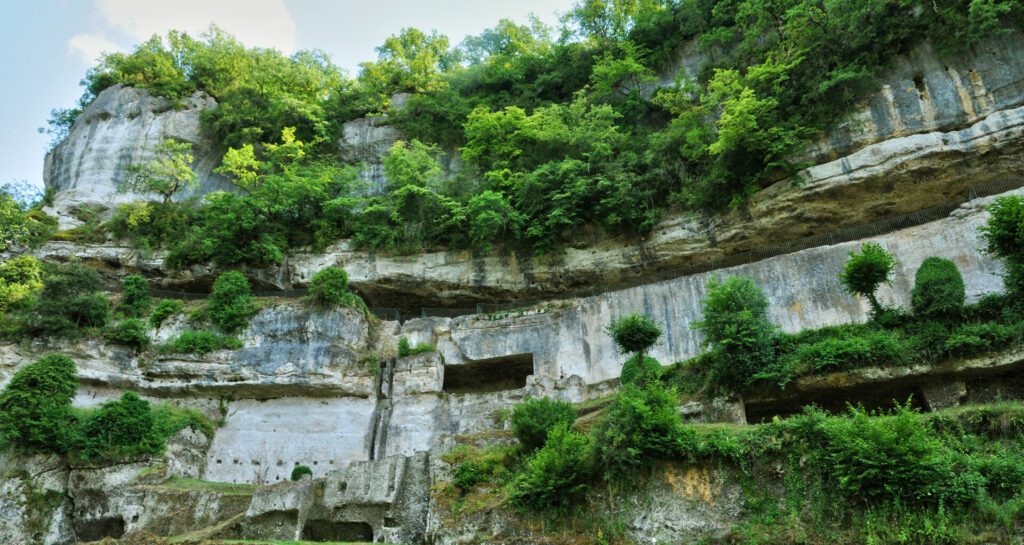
(634, 333)
(35, 406)
(533, 420)
(167, 174)
(135, 299)
(14, 228)
(120, 428)
(866, 271)
(556, 475)
(736, 327)
(411, 61)
(938, 289)
(231, 303)
(20, 277)
(1004, 238)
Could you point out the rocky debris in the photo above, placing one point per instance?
(117, 130)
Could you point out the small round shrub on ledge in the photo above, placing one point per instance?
(329, 288)
(299, 471)
(231, 303)
(131, 332)
(135, 299)
(35, 406)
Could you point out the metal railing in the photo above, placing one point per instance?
(838, 236)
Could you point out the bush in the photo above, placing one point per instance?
(165, 309)
(91, 310)
(736, 327)
(638, 368)
(35, 406)
(634, 333)
(895, 457)
(975, 339)
(556, 475)
(199, 342)
(131, 332)
(405, 350)
(329, 287)
(534, 419)
(67, 301)
(19, 278)
(849, 351)
(299, 471)
(866, 271)
(642, 424)
(119, 429)
(135, 299)
(938, 290)
(231, 304)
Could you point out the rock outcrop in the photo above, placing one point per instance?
(116, 130)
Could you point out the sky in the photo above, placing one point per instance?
(47, 45)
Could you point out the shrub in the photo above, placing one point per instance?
(866, 271)
(231, 304)
(19, 278)
(894, 457)
(642, 424)
(165, 309)
(121, 428)
(68, 300)
(199, 342)
(135, 299)
(131, 332)
(974, 339)
(35, 406)
(639, 368)
(849, 351)
(556, 475)
(938, 290)
(488, 467)
(1004, 232)
(299, 471)
(736, 327)
(329, 287)
(534, 419)
(634, 333)
(405, 350)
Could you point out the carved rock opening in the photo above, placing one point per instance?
(488, 375)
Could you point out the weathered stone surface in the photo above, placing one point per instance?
(33, 506)
(367, 141)
(116, 130)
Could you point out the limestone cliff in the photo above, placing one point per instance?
(116, 130)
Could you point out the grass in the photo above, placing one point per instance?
(265, 542)
(233, 489)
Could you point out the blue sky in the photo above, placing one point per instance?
(47, 45)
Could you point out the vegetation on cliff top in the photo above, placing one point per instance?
(558, 128)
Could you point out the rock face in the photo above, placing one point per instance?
(367, 141)
(116, 130)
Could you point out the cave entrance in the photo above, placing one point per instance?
(488, 375)
(329, 530)
(873, 398)
(97, 529)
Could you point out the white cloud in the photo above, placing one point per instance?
(262, 23)
(88, 47)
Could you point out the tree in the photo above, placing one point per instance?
(533, 420)
(35, 406)
(231, 304)
(737, 329)
(634, 333)
(121, 428)
(1004, 238)
(167, 174)
(19, 278)
(938, 289)
(866, 271)
(135, 299)
(411, 61)
(14, 228)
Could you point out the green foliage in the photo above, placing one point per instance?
(638, 368)
(556, 475)
(199, 342)
(35, 406)
(405, 349)
(641, 425)
(131, 332)
(135, 299)
(151, 225)
(329, 287)
(67, 301)
(168, 173)
(20, 277)
(737, 329)
(165, 309)
(118, 429)
(897, 457)
(489, 466)
(299, 471)
(1004, 238)
(21, 228)
(866, 271)
(847, 348)
(938, 289)
(634, 333)
(533, 420)
(231, 304)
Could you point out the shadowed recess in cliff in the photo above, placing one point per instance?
(330, 531)
(489, 375)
